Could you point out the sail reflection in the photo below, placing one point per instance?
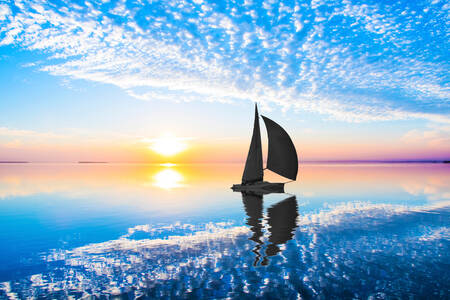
(282, 222)
(168, 179)
(281, 219)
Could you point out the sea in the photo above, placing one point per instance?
(177, 231)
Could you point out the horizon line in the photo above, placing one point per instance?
(232, 162)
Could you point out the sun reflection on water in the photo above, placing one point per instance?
(168, 179)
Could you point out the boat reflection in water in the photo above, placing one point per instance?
(281, 219)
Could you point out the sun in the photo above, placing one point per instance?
(168, 145)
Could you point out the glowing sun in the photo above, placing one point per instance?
(168, 145)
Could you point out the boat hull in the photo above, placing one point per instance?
(260, 187)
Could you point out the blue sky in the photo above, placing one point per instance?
(356, 71)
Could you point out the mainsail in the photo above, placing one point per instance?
(254, 165)
(282, 156)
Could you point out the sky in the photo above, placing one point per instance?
(102, 80)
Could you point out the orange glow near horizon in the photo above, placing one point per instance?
(26, 179)
(174, 149)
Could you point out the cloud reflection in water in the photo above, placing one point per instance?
(351, 251)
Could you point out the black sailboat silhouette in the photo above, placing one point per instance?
(281, 159)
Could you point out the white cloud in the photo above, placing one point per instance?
(436, 137)
(222, 58)
(4, 11)
(9, 132)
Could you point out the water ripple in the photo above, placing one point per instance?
(362, 251)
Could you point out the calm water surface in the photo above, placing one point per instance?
(178, 231)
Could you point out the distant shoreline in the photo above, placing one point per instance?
(237, 162)
(379, 161)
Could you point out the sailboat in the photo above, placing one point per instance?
(281, 159)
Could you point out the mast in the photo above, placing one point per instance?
(253, 170)
(253, 205)
(282, 156)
